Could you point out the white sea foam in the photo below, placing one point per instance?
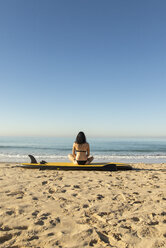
(99, 158)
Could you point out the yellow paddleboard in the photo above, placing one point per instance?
(110, 166)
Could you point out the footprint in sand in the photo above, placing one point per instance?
(63, 190)
(32, 238)
(153, 223)
(55, 221)
(100, 197)
(103, 237)
(123, 220)
(156, 186)
(74, 195)
(76, 187)
(35, 198)
(44, 216)
(5, 238)
(59, 178)
(137, 202)
(15, 193)
(41, 219)
(5, 228)
(39, 222)
(44, 182)
(101, 214)
(117, 236)
(159, 243)
(126, 226)
(10, 212)
(85, 206)
(51, 191)
(93, 242)
(21, 227)
(136, 219)
(50, 234)
(35, 213)
(135, 193)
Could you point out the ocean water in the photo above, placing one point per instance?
(16, 149)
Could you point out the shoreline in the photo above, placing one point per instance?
(72, 209)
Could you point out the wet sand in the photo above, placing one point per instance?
(75, 209)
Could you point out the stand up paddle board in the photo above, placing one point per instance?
(43, 165)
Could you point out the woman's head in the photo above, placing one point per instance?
(80, 139)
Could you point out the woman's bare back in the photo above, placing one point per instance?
(81, 151)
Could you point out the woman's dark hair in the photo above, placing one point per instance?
(81, 138)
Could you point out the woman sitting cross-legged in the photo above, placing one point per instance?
(81, 151)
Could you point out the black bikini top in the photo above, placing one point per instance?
(80, 151)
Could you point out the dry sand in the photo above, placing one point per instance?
(75, 209)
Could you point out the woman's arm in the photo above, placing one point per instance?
(73, 151)
(88, 150)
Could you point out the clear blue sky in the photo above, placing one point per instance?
(96, 66)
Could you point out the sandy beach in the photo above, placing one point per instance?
(72, 209)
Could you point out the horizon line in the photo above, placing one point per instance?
(90, 136)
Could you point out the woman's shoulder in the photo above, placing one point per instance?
(84, 144)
